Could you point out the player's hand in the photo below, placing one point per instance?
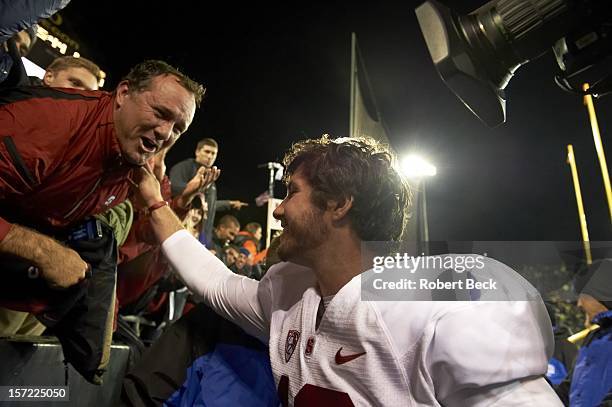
(146, 187)
(159, 164)
(237, 204)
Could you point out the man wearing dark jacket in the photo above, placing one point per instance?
(205, 156)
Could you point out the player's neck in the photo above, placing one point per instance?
(338, 261)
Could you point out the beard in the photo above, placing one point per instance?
(301, 236)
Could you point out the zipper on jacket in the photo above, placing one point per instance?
(80, 202)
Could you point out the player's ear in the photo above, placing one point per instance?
(339, 209)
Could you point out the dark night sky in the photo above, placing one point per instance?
(275, 74)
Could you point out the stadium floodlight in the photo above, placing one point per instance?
(477, 54)
(416, 167)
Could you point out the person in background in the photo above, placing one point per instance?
(562, 360)
(193, 220)
(243, 267)
(226, 230)
(205, 156)
(250, 239)
(230, 253)
(590, 382)
(73, 73)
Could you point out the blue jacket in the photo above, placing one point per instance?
(592, 378)
(16, 16)
(563, 359)
(19, 15)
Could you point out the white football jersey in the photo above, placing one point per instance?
(378, 353)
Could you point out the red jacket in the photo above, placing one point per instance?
(60, 159)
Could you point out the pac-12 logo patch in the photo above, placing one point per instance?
(292, 340)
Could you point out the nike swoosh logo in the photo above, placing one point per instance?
(342, 359)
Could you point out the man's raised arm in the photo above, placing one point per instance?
(233, 296)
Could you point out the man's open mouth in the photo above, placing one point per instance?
(149, 145)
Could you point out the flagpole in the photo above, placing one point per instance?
(353, 80)
(268, 228)
(588, 101)
(271, 170)
(571, 160)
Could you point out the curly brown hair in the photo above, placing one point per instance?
(359, 168)
(140, 76)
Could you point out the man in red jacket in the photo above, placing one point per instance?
(63, 72)
(67, 154)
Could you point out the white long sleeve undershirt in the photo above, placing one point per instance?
(233, 296)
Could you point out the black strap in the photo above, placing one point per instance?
(17, 161)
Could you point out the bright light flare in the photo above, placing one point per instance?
(32, 69)
(414, 166)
